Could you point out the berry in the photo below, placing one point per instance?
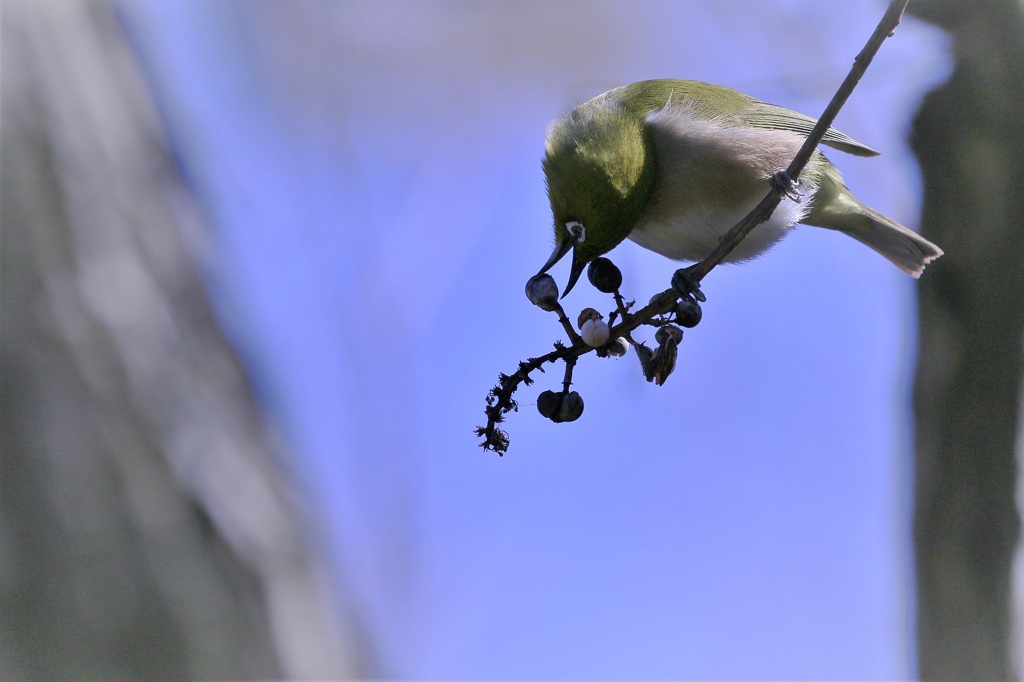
(586, 314)
(571, 408)
(548, 403)
(595, 333)
(560, 407)
(604, 275)
(542, 291)
(688, 312)
(669, 331)
(618, 347)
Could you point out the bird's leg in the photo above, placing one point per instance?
(785, 186)
(686, 285)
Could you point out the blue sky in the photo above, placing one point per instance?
(370, 172)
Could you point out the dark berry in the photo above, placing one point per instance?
(669, 331)
(587, 314)
(571, 408)
(560, 407)
(548, 403)
(542, 291)
(604, 275)
(688, 312)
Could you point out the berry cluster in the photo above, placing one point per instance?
(607, 336)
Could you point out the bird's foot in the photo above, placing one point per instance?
(785, 186)
(686, 285)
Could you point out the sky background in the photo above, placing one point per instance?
(370, 173)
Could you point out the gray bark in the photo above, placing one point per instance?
(968, 138)
(146, 528)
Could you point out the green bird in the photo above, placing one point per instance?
(674, 164)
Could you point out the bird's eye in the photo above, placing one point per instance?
(577, 230)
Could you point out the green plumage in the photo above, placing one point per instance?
(728, 105)
(673, 164)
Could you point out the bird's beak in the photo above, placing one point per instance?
(574, 274)
(562, 248)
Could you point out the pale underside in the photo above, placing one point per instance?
(709, 175)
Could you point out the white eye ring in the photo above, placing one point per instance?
(577, 230)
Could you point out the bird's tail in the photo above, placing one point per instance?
(907, 250)
(834, 207)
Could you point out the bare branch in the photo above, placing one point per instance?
(763, 211)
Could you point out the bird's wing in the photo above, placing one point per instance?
(711, 101)
(763, 115)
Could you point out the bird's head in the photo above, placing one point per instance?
(599, 165)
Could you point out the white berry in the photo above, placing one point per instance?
(595, 333)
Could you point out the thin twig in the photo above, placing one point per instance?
(763, 211)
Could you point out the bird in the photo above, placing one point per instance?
(672, 165)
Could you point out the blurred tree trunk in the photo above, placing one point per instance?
(146, 530)
(968, 137)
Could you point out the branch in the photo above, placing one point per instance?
(499, 400)
(763, 211)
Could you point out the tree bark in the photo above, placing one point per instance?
(146, 528)
(967, 391)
